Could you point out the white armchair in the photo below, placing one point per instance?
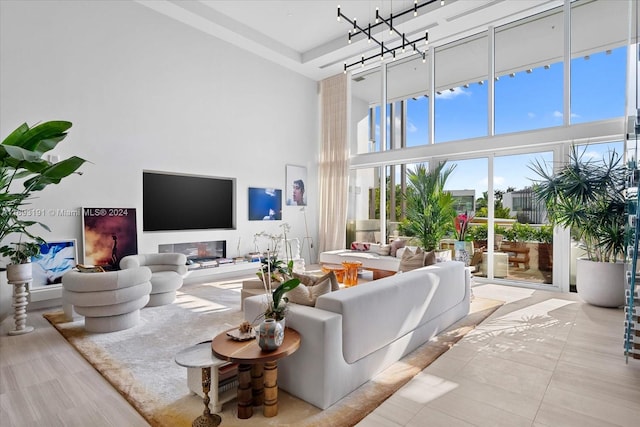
(109, 301)
(167, 274)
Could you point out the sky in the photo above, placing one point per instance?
(526, 101)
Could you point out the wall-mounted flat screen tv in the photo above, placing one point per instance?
(265, 204)
(187, 202)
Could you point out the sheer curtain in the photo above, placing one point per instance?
(334, 164)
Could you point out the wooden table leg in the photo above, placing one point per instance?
(257, 383)
(270, 408)
(245, 399)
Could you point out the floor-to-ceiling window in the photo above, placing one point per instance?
(533, 94)
(461, 70)
(598, 86)
(529, 73)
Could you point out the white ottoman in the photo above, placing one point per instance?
(500, 264)
(167, 273)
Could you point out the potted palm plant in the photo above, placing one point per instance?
(587, 196)
(24, 171)
(430, 208)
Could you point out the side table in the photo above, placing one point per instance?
(257, 370)
(199, 359)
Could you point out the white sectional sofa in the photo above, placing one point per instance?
(381, 265)
(353, 334)
(369, 259)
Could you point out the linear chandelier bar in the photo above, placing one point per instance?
(404, 44)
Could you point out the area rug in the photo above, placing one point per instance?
(139, 362)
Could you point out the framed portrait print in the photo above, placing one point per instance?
(56, 258)
(296, 193)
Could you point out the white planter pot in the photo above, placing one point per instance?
(600, 283)
(19, 273)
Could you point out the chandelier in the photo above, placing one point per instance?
(403, 43)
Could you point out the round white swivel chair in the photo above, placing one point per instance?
(109, 301)
(167, 274)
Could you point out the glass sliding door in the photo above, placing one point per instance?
(522, 235)
(467, 183)
(363, 220)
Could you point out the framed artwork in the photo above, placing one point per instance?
(296, 177)
(56, 258)
(109, 234)
(265, 204)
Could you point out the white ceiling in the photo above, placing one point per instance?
(306, 37)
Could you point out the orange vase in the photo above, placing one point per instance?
(351, 272)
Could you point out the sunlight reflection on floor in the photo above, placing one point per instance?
(507, 294)
(424, 388)
(533, 317)
(198, 305)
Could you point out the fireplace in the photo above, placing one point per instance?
(198, 252)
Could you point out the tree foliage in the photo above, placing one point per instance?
(430, 209)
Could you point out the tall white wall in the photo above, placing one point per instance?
(146, 92)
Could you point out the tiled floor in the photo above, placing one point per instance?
(543, 359)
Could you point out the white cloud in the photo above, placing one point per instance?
(398, 123)
(557, 114)
(531, 115)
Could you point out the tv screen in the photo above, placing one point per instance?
(186, 202)
(265, 204)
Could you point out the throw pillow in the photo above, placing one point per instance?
(384, 250)
(430, 258)
(90, 269)
(360, 246)
(442, 256)
(395, 245)
(311, 287)
(410, 260)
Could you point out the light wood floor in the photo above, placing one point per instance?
(543, 359)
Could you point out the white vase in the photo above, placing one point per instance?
(19, 273)
(600, 283)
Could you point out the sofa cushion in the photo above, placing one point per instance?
(312, 280)
(411, 260)
(310, 288)
(368, 259)
(384, 250)
(360, 246)
(443, 256)
(395, 245)
(430, 258)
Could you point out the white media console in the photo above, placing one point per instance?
(208, 260)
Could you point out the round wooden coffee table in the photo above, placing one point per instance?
(257, 370)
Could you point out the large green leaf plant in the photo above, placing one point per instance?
(430, 209)
(24, 171)
(587, 195)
